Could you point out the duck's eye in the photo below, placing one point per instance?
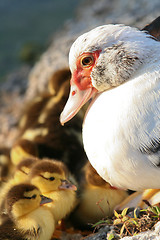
(51, 178)
(87, 61)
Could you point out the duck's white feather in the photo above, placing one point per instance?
(119, 125)
(121, 130)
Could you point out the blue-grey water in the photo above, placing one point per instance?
(25, 21)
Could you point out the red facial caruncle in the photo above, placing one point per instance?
(81, 85)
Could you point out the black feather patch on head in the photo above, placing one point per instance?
(28, 162)
(48, 165)
(115, 67)
(27, 145)
(16, 193)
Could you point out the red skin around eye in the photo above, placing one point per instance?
(81, 87)
(81, 76)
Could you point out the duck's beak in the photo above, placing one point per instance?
(77, 98)
(45, 200)
(65, 184)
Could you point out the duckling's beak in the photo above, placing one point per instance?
(65, 184)
(45, 200)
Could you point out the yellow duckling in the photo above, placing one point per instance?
(50, 176)
(27, 219)
(97, 199)
(22, 149)
(20, 175)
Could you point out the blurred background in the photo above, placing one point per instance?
(35, 38)
(27, 28)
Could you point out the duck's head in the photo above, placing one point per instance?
(50, 175)
(103, 58)
(23, 169)
(23, 199)
(22, 149)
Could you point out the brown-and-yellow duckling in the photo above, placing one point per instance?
(23, 148)
(41, 103)
(40, 124)
(57, 79)
(34, 108)
(20, 175)
(97, 198)
(50, 176)
(27, 219)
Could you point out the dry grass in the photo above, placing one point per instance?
(131, 221)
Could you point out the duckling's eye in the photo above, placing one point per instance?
(87, 61)
(32, 197)
(23, 171)
(51, 178)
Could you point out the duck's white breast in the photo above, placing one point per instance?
(114, 125)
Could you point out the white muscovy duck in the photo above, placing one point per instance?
(119, 68)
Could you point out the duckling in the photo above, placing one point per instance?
(22, 148)
(63, 143)
(40, 124)
(97, 198)
(33, 109)
(20, 175)
(57, 79)
(50, 176)
(27, 219)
